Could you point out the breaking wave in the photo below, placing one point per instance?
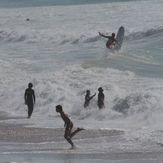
(60, 39)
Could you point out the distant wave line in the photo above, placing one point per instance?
(16, 36)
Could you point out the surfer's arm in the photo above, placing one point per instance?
(92, 96)
(103, 35)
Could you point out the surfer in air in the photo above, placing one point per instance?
(68, 126)
(111, 40)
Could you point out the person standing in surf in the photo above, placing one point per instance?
(111, 40)
(101, 98)
(68, 126)
(29, 97)
(88, 98)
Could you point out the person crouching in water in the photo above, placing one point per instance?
(101, 97)
(88, 98)
(111, 40)
(29, 97)
(68, 126)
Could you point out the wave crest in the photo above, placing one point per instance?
(143, 34)
(65, 38)
(12, 36)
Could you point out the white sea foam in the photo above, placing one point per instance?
(60, 52)
(55, 24)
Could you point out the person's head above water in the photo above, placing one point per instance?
(113, 34)
(30, 85)
(100, 89)
(88, 91)
(59, 108)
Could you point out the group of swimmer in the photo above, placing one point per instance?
(100, 101)
(29, 97)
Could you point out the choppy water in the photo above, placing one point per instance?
(60, 51)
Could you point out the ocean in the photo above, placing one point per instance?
(56, 46)
(36, 3)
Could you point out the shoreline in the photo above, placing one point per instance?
(18, 141)
(21, 133)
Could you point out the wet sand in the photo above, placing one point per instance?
(24, 134)
(21, 134)
(50, 143)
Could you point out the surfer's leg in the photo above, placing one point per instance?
(30, 110)
(75, 132)
(67, 136)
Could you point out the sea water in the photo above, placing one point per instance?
(42, 158)
(56, 46)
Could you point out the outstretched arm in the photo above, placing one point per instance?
(103, 35)
(87, 99)
(92, 96)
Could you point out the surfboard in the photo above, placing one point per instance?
(119, 38)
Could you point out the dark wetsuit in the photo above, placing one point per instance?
(29, 97)
(68, 128)
(100, 101)
(87, 99)
(110, 42)
(86, 103)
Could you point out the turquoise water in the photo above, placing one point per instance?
(30, 3)
(67, 158)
